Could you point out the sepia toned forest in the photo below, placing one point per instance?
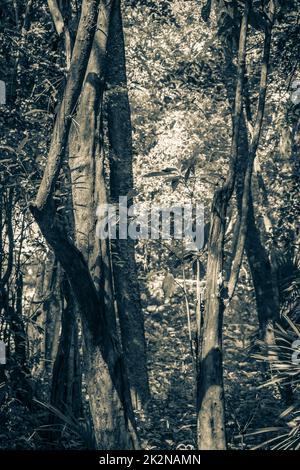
(150, 340)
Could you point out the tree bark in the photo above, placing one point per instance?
(258, 259)
(52, 308)
(210, 391)
(87, 165)
(107, 387)
(80, 57)
(62, 28)
(108, 391)
(121, 184)
(244, 207)
(66, 388)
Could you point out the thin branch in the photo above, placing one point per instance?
(62, 28)
(10, 236)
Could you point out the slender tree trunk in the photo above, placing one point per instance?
(19, 374)
(36, 324)
(61, 16)
(17, 327)
(257, 255)
(121, 184)
(258, 259)
(261, 273)
(254, 142)
(53, 309)
(210, 391)
(66, 389)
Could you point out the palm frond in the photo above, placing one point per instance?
(83, 431)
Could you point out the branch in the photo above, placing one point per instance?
(238, 107)
(61, 28)
(76, 269)
(26, 22)
(56, 16)
(10, 236)
(81, 52)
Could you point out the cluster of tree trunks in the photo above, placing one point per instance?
(219, 290)
(95, 276)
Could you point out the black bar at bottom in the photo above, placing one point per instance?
(141, 459)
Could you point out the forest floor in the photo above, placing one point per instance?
(171, 411)
(170, 419)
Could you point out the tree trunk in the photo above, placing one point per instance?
(108, 392)
(121, 184)
(106, 383)
(52, 310)
(210, 390)
(60, 12)
(80, 57)
(258, 259)
(254, 142)
(66, 388)
(86, 164)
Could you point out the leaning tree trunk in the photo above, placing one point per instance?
(61, 16)
(121, 184)
(108, 392)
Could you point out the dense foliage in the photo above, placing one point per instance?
(181, 65)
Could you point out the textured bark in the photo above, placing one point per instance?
(121, 184)
(109, 397)
(210, 391)
(62, 350)
(63, 311)
(66, 379)
(80, 57)
(86, 165)
(108, 392)
(244, 207)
